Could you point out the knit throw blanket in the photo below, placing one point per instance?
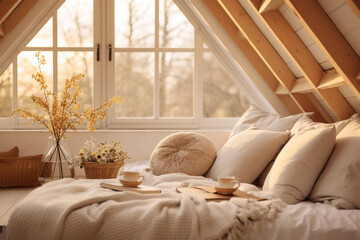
(81, 209)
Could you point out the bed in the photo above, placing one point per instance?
(311, 191)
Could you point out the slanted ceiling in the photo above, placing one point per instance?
(306, 51)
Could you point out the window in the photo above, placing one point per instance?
(147, 52)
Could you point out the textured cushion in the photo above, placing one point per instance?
(20, 171)
(14, 152)
(300, 162)
(265, 120)
(339, 183)
(185, 152)
(246, 155)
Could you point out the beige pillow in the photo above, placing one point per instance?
(339, 183)
(185, 152)
(305, 123)
(14, 152)
(246, 155)
(299, 163)
(265, 120)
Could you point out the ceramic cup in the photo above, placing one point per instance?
(131, 176)
(228, 182)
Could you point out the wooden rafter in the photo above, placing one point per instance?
(243, 44)
(259, 42)
(1, 30)
(329, 39)
(305, 62)
(354, 5)
(265, 50)
(7, 7)
(16, 15)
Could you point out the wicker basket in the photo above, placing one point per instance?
(20, 171)
(102, 171)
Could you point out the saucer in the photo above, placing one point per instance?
(130, 183)
(225, 191)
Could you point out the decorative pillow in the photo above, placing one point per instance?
(20, 171)
(14, 152)
(300, 162)
(265, 120)
(305, 123)
(339, 183)
(185, 152)
(246, 155)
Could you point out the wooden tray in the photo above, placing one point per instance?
(209, 193)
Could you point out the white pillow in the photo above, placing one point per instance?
(339, 183)
(265, 120)
(305, 123)
(299, 163)
(246, 155)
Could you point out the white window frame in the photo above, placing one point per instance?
(103, 90)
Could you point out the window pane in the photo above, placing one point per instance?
(6, 79)
(75, 24)
(71, 63)
(222, 97)
(134, 23)
(176, 84)
(28, 65)
(134, 82)
(44, 38)
(175, 29)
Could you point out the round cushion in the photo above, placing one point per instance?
(184, 152)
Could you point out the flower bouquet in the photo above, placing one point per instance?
(104, 162)
(59, 113)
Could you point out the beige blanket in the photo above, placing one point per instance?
(81, 209)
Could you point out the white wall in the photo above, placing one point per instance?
(138, 143)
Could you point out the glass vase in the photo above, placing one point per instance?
(55, 161)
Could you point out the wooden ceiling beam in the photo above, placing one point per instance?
(7, 7)
(329, 39)
(259, 42)
(1, 30)
(354, 5)
(243, 44)
(263, 48)
(270, 5)
(16, 16)
(305, 61)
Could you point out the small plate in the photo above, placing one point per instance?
(225, 191)
(130, 184)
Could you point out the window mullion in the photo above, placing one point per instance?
(55, 53)
(198, 68)
(108, 67)
(157, 64)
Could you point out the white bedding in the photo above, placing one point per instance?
(310, 221)
(305, 220)
(81, 209)
(302, 221)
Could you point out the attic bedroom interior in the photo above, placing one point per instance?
(179, 119)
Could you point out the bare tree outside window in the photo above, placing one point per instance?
(222, 97)
(155, 63)
(6, 95)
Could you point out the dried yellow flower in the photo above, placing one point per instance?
(61, 112)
